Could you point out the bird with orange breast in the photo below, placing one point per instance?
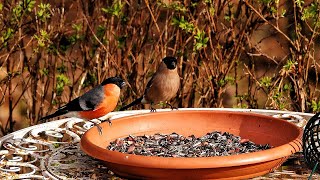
(162, 87)
(93, 104)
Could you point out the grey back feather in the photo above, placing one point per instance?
(91, 99)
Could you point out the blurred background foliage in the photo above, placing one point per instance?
(244, 54)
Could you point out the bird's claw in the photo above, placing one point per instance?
(172, 107)
(152, 109)
(109, 121)
(98, 126)
(99, 129)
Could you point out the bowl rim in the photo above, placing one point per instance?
(278, 152)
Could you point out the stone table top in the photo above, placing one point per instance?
(51, 150)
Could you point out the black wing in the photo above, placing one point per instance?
(149, 84)
(88, 101)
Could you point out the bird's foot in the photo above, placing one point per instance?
(108, 120)
(99, 129)
(98, 126)
(152, 109)
(172, 107)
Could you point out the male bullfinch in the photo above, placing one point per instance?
(163, 85)
(93, 104)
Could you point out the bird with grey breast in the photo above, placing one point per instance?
(162, 87)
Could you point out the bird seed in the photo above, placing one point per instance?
(175, 145)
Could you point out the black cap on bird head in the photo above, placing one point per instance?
(171, 62)
(114, 80)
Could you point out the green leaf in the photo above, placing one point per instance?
(183, 24)
(314, 105)
(266, 81)
(290, 65)
(299, 3)
(177, 6)
(77, 27)
(62, 81)
(200, 40)
(44, 71)
(283, 13)
(310, 12)
(115, 9)
(44, 12)
(30, 4)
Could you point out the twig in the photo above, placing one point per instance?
(154, 20)
(275, 27)
(103, 46)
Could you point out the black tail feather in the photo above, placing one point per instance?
(59, 112)
(135, 102)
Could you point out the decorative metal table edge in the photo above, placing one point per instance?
(51, 150)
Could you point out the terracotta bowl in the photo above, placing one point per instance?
(285, 137)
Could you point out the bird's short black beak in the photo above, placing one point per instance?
(123, 84)
(172, 65)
